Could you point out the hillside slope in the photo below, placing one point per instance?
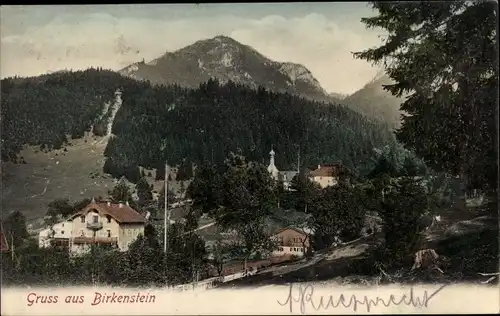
(150, 124)
(225, 59)
(74, 173)
(376, 103)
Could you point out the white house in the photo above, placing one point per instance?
(291, 241)
(326, 175)
(58, 231)
(102, 223)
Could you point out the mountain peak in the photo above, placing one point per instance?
(224, 58)
(224, 38)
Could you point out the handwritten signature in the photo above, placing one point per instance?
(306, 297)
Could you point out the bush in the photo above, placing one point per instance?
(403, 205)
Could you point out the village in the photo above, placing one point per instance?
(112, 224)
(103, 222)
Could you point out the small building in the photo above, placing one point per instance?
(115, 224)
(103, 223)
(291, 241)
(326, 175)
(59, 233)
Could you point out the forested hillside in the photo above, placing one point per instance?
(376, 103)
(158, 123)
(43, 110)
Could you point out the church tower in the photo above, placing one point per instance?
(272, 168)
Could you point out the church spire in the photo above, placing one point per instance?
(272, 168)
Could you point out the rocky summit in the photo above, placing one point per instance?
(225, 59)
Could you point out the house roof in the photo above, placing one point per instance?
(298, 230)
(122, 213)
(327, 170)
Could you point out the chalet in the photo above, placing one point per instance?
(291, 241)
(328, 174)
(103, 223)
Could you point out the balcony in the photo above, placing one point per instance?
(94, 240)
(94, 225)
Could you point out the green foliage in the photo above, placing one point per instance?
(246, 201)
(383, 167)
(185, 172)
(186, 255)
(374, 102)
(146, 258)
(183, 126)
(14, 226)
(58, 210)
(171, 198)
(222, 251)
(204, 189)
(403, 205)
(191, 220)
(79, 205)
(68, 102)
(280, 192)
(338, 211)
(142, 265)
(144, 193)
(444, 56)
(247, 193)
(121, 192)
(304, 192)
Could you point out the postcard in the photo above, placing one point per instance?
(264, 158)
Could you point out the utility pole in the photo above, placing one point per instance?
(165, 219)
(298, 160)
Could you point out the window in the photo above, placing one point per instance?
(96, 219)
(109, 233)
(82, 219)
(280, 248)
(82, 233)
(109, 219)
(62, 232)
(62, 225)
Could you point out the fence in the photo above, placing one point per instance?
(252, 265)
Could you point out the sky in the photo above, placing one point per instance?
(321, 36)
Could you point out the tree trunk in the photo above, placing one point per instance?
(245, 265)
(306, 249)
(219, 268)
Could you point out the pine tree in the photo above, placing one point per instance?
(247, 199)
(15, 228)
(444, 57)
(144, 193)
(121, 192)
